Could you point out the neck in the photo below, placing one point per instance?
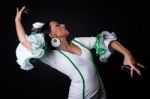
(64, 44)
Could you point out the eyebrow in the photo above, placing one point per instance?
(57, 25)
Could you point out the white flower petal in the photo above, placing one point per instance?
(37, 25)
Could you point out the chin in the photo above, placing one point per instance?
(67, 32)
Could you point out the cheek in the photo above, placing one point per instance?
(59, 34)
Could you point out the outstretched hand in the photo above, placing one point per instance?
(131, 64)
(19, 13)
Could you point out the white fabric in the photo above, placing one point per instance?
(85, 65)
(24, 55)
(105, 39)
(56, 60)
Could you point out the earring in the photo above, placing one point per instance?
(55, 42)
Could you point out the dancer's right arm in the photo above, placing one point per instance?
(20, 30)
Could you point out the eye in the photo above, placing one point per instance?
(57, 25)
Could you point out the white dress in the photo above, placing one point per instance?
(85, 80)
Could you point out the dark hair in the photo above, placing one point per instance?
(46, 30)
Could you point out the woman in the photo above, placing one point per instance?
(71, 58)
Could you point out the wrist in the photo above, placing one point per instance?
(127, 54)
(17, 19)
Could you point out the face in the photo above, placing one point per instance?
(58, 30)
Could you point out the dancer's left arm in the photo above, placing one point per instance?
(128, 57)
(105, 43)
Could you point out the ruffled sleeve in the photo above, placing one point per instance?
(102, 45)
(24, 55)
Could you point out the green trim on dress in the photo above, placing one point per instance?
(100, 48)
(92, 61)
(83, 81)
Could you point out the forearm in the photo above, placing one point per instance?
(120, 48)
(20, 30)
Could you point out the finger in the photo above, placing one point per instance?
(131, 72)
(122, 67)
(22, 9)
(17, 9)
(26, 11)
(140, 65)
(138, 71)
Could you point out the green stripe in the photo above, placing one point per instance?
(83, 81)
(90, 53)
(91, 59)
(99, 47)
(91, 56)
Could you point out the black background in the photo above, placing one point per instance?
(129, 20)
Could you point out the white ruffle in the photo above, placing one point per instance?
(37, 25)
(105, 39)
(24, 55)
